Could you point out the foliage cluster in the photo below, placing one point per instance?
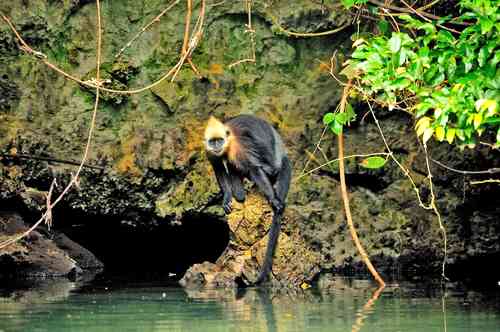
(450, 81)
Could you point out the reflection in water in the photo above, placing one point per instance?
(366, 310)
(443, 306)
(349, 305)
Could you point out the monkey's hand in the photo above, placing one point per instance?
(278, 206)
(226, 203)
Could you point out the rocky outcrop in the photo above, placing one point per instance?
(41, 255)
(295, 263)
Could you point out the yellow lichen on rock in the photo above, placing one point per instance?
(126, 164)
(249, 221)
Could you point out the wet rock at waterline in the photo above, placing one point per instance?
(41, 254)
(294, 261)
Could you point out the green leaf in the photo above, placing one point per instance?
(422, 108)
(498, 135)
(495, 59)
(486, 104)
(336, 127)
(402, 56)
(349, 111)
(373, 162)
(429, 74)
(395, 43)
(437, 79)
(451, 66)
(407, 18)
(328, 118)
(429, 28)
(486, 25)
(482, 56)
(400, 83)
(492, 121)
(341, 118)
(350, 71)
(445, 37)
(383, 26)
(423, 52)
(348, 3)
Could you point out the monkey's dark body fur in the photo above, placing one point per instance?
(263, 160)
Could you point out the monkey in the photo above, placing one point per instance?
(246, 146)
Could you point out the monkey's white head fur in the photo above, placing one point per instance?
(217, 136)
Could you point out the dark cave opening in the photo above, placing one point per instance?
(479, 271)
(136, 251)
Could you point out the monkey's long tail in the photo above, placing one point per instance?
(274, 233)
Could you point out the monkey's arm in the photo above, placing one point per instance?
(260, 178)
(237, 187)
(224, 182)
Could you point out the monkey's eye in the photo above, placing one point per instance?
(216, 143)
(227, 133)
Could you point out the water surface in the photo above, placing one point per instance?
(348, 305)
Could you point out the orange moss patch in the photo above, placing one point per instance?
(126, 164)
(215, 69)
(323, 67)
(193, 138)
(13, 172)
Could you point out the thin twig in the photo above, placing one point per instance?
(314, 152)
(418, 13)
(46, 216)
(43, 58)
(144, 28)
(438, 215)
(337, 159)
(406, 10)
(193, 41)
(488, 171)
(251, 32)
(395, 24)
(485, 181)
(405, 171)
(185, 43)
(48, 199)
(307, 34)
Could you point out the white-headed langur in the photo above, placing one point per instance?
(248, 147)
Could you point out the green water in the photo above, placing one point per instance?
(347, 305)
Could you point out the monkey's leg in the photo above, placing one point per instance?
(236, 184)
(238, 188)
(260, 178)
(282, 184)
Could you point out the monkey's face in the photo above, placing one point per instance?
(217, 137)
(217, 145)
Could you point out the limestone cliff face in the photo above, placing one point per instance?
(147, 166)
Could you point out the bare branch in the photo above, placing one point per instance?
(144, 28)
(47, 215)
